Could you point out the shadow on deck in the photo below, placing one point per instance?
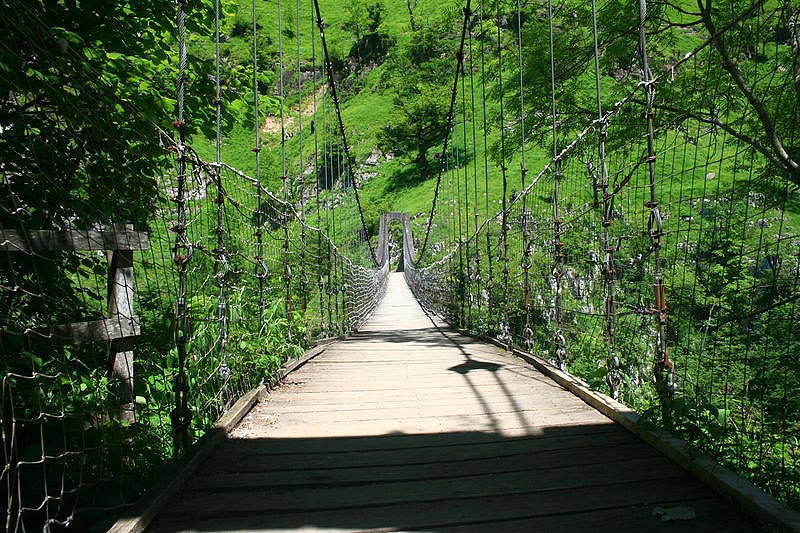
(574, 478)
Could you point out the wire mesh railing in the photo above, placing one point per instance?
(144, 288)
(655, 254)
(91, 367)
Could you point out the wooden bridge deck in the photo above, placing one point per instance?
(409, 427)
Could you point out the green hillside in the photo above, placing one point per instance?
(366, 89)
(387, 183)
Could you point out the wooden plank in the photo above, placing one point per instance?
(431, 514)
(379, 389)
(257, 479)
(288, 403)
(138, 518)
(357, 444)
(295, 363)
(711, 516)
(327, 495)
(107, 329)
(447, 372)
(300, 391)
(517, 454)
(43, 240)
(509, 425)
(484, 383)
(544, 409)
(228, 421)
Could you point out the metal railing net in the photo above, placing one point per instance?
(655, 255)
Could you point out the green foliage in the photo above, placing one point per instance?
(363, 23)
(84, 86)
(417, 75)
(754, 68)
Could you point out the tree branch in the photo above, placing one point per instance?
(754, 143)
(732, 68)
(794, 30)
(679, 9)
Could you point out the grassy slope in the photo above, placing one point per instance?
(392, 184)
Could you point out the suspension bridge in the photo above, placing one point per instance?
(411, 426)
(589, 326)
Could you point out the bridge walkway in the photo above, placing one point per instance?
(410, 426)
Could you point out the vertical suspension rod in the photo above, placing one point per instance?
(559, 340)
(664, 369)
(221, 265)
(301, 170)
(477, 244)
(287, 270)
(181, 415)
(613, 377)
(261, 267)
(505, 327)
(320, 281)
(466, 239)
(527, 333)
(489, 258)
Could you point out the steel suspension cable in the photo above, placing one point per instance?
(301, 170)
(476, 278)
(181, 416)
(527, 332)
(287, 269)
(260, 265)
(487, 221)
(320, 279)
(328, 226)
(460, 240)
(664, 369)
(505, 328)
(609, 277)
(448, 127)
(332, 229)
(452, 199)
(345, 146)
(221, 267)
(466, 241)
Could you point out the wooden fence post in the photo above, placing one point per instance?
(122, 324)
(120, 308)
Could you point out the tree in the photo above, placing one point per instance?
(86, 91)
(369, 43)
(356, 22)
(418, 75)
(748, 86)
(83, 88)
(769, 117)
(417, 124)
(411, 5)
